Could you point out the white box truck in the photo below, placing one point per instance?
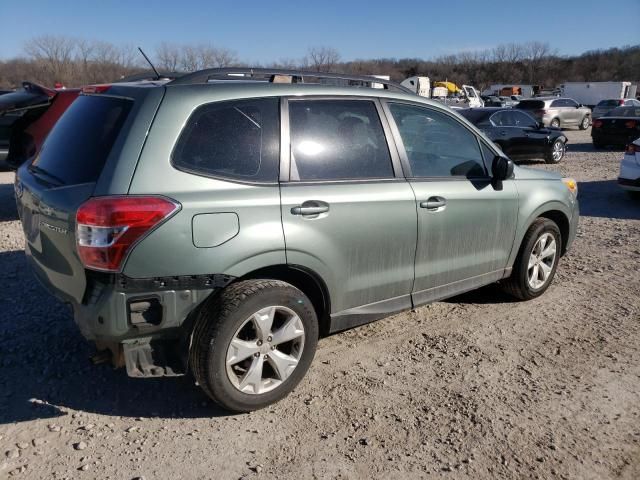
(591, 93)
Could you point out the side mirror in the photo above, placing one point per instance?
(501, 168)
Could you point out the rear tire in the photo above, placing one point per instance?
(240, 355)
(584, 124)
(537, 260)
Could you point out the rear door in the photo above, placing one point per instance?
(347, 211)
(85, 142)
(466, 224)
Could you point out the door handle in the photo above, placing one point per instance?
(434, 203)
(502, 132)
(310, 208)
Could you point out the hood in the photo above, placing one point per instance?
(526, 173)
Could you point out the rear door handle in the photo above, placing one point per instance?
(434, 203)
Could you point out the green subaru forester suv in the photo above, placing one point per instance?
(219, 224)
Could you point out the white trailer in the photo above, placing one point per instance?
(591, 93)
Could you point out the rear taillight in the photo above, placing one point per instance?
(621, 102)
(632, 149)
(596, 124)
(630, 124)
(107, 227)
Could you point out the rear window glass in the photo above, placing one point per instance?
(609, 103)
(78, 146)
(625, 112)
(531, 105)
(236, 139)
(474, 116)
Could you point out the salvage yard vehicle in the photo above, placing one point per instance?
(619, 127)
(518, 134)
(605, 106)
(629, 178)
(557, 112)
(222, 226)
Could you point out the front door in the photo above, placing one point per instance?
(347, 212)
(466, 224)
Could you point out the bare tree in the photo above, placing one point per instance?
(55, 53)
(322, 59)
(168, 56)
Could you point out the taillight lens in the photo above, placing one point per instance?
(596, 124)
(107, 227)
(630, 124)
(632, 149)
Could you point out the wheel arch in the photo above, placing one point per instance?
(307, 281)
(560, 219)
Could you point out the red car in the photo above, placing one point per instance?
(27, 116)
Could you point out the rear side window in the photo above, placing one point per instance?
(78, 146)
(237, 140)
(337, 140)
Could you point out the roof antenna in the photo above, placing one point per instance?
(149, 62)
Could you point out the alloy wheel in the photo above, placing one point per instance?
(541, 261)
(265, 350)
(558, 151)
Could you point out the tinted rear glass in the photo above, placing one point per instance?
(474, 116)
(609, 103)
(624, 112)
(531, 105)
(78, 146)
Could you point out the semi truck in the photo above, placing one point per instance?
(591, 93)
(467, 96)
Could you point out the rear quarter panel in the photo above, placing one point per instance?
(170, 250)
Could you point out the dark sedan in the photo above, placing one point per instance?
(619, 127)
(518, 134)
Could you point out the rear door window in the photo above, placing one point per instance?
(337, 140)
(236, 140)
(78, 146)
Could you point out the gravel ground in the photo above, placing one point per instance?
(476, 387)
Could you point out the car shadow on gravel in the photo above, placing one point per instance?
(604, 198)
(490, 294)
(45, 370)
(8, 209)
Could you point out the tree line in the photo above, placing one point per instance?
(51, 59)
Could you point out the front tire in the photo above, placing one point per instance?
(555, 123)
(556, 152)
(537, 260)
(253, 343)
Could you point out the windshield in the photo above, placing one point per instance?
(608, 103)
(78, 146)
(531, 105)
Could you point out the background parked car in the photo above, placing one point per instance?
(605, 106)
(493, 101)
(629, 177)
(558, 112)
(518, 134)
(620, 127)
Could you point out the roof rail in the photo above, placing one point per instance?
(279, 76)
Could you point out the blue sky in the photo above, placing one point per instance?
(271, 30)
